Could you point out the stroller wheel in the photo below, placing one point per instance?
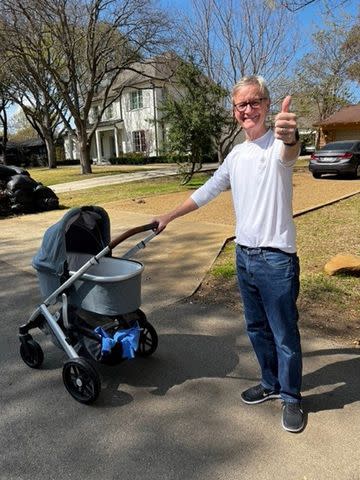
(81, 380)
(148, 340)
(32, 354)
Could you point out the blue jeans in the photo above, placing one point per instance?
(269, 286)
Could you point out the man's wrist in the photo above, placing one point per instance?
(296, 141)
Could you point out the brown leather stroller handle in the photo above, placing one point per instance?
(129, 233)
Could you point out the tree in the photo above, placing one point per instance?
(351, 47)
(321, 85)
(296, 5)
(230, 42)
(83, 46)
(195, 116)
(4, 104)
(37, 104)
(20, 128)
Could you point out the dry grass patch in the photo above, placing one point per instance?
(329, 306)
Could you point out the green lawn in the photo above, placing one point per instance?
(58, 175)
(143, 188)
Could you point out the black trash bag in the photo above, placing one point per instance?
(21, 182)
(22, 200)
(6, 172)
(21, 196)
(45, 199)
(5, 205)
(19, 170)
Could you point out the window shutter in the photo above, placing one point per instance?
(146, 98)
(128, 102)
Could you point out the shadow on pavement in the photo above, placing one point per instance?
(341, 376)
(179, 358)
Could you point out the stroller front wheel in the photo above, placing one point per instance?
(148, 340)
(81, 380)
(32, 354)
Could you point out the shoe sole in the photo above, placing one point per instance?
(293, 430)
(262, 400)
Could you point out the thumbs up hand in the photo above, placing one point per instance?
(285, 123)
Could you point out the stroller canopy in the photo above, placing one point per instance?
(82, 230)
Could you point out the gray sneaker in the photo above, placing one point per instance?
(258, 394)
(292, 417)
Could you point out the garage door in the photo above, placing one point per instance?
(347, 135)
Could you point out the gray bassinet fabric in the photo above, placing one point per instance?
(51, 257)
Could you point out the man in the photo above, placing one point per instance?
(259, 173)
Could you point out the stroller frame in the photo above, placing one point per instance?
(79, 374)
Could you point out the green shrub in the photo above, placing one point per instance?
(139, 159)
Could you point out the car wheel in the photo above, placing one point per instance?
(357, 171)
(316, 175)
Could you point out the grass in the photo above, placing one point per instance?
(302, 162)
(110, 193)
(58, 175)
(225, 267)
(321, 235)
(330, 304)
(143, 188)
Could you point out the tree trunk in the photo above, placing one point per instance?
(5, 133)
(220, 155)
(84, 147)
(85, 163)
(50, 149)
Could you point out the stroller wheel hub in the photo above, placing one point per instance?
(79, 382)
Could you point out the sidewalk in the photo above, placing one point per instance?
(176, 415)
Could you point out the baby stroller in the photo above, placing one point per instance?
(91, 300)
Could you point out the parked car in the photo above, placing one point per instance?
(341, 158)
(307, 149)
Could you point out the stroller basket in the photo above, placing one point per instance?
(111, 287)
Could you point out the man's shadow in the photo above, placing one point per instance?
(343, 375)
(179, 358)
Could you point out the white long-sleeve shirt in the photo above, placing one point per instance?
(261, 186)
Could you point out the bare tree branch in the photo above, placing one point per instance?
(83, 46)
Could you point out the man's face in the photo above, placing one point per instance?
(250, 116)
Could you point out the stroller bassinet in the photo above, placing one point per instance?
(95, 299)
(111, 287)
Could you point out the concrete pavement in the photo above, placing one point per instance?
(178, 414)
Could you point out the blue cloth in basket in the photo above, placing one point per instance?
(128, 338)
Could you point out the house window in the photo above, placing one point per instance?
(109, 112)
(139, 142)
(95, 113)
(136, 100)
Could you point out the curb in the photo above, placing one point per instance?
(321, 205)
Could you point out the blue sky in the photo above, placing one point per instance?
(309, 20)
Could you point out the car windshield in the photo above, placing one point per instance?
(338, 146)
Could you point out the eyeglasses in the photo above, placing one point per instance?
(241, 107)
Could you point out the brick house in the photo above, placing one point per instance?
(341, 125)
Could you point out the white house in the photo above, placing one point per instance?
(132, 123)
